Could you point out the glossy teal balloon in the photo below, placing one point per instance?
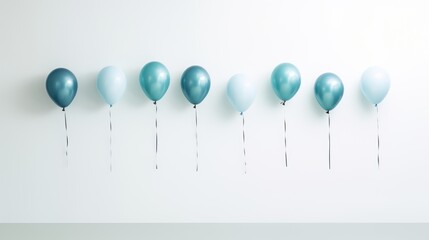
(329, 90)
(61, 85)
(285, 81)
(374, 84)
(111, 84)
(241, 92)
(154, 80)
(195, 83)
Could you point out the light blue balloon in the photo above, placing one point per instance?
(374, 84)
(329, 90)
(111, 84)
(285, 80)
(241, 92)
(195, 83)
(154, 80)
(61, 86)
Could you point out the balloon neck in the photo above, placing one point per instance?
(64, 109)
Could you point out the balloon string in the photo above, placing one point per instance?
(244, 145)
(67, 136)
(378, 139)
(196, 136)
(329, 137)
(156, 135)
(110, 140)
(284, 125)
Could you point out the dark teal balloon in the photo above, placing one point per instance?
(195, 84)
(154, 80)
(61, 86)
(329, 90)
(285, 80)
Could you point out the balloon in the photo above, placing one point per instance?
(375, 84)
(154, 80)
(61, 86)
(285, 80)
(195, 84)
(328, 90)
(241, 92)
(111, 84)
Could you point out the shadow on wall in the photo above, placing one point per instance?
(134, 94)
(33, 97)
(363, 102)
(224, 107)
(175, 94)
(87, 95)
(270, 98)
(316, 109)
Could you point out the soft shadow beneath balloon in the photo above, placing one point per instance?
(315, 108)
(175, 95)
(33, 97)
(88, 97)
(224, 106)
(134, 95)
(268, 96)
(363, 102)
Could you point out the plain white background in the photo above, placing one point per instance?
(225, 37)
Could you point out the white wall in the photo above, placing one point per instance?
(225, 37)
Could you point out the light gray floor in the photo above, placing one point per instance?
(222, 231)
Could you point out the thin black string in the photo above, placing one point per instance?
(329, 137)
(378, 139)
(284, 125)
(67, 136)
(110, 120)
(156, 135)
(196, 135)
(244, 145)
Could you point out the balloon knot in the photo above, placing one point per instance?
(64, 109)
(241, 113)
(283, 103)
(154, 102)
(376, 105)
(110, 105)
(195, 106)
(327, 112)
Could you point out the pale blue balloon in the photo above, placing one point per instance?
(111, 84)
(195, 83)
(374, 84)
(285, 80)
(241, 92)
(154, 80)
(329, 90)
